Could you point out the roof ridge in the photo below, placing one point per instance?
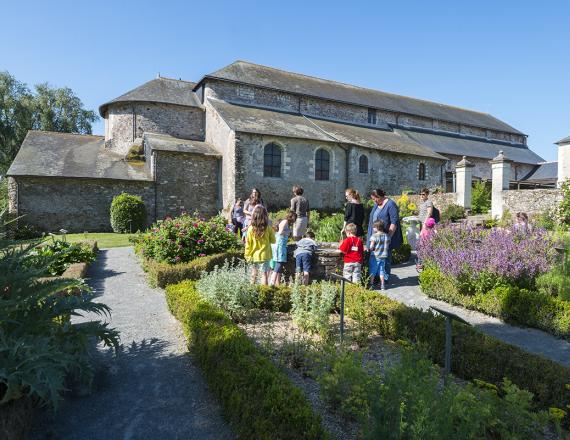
(61, 133)
(175, 79)
(362, 87)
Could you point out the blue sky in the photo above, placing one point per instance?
(507, 58)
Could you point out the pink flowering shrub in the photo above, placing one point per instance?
(479, 259)
(184, 238)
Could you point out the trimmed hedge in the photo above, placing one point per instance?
(474, 356)
(521, 306)
(128, 213)
(163, 274)
(257, 398)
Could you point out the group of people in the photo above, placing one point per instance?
(266, 244)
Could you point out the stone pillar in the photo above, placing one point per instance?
(464, 173)
(501, 171)
(563, 160)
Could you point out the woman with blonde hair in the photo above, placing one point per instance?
(353, 211)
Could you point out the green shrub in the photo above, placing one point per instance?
(311, 306)
(475, 355)
(329, 228)
(163, 274)
(537, 309)
(60, 255)
(401, 254)
(257, 398)
(562, 210)
(184, 238)
(545, 220)
(411, 404)
(480, 198)
(128, 213)
(453, 213)
(25, 231)
(275, 298)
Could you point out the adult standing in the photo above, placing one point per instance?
(252, 201)
(426, 207)
(353, 211)
(387, 210)
(300, 206)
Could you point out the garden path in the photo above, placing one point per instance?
(405, 288)
(152, 390)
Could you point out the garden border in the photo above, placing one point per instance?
(259, 400)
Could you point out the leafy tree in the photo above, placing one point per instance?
(480, 198)
(48, 108)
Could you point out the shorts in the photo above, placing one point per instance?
(278, 266)
(300, 227)
(262, 266)
(377, 266)
(303, 262)
(352, 272)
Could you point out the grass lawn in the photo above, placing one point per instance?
(104, 239)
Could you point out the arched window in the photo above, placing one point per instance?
(322, 164)
(272, 160)
(363, 164)
(422, 171)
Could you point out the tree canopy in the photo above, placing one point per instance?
(45, 108)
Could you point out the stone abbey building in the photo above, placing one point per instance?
(185, 146)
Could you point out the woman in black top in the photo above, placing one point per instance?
(353, 211)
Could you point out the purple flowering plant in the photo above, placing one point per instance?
(479, 259)
(184, 238)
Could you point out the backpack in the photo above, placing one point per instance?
(435, 214)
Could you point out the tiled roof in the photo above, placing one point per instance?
(164, 142)
(459, 146)
(566, 140)
(294, 125)
(49, 154)
(160, 90)
(268, 77)
(547, 171)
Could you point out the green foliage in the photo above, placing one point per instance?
(228, 288)
(3, 195)
(406, 207)
(128, 213)
(348, 387)
(480, 198)
(311, 306)
(562, 211)
(60, 255)
(163, 274)
(556, 282)
(48, 108)
(453, 213)
(275, 298)
(545, 220)
(329, 228)
(539, 309)
(39, 345)
(257, 397)
(24, 231)
(412, 405)
(184, 238)
(475, 355)
(401, 254)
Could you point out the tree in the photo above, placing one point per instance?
(49, 109)
(480, 198)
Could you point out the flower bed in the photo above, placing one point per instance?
(185, 238)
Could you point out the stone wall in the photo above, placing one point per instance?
(185, 182)
(219, 134)
(77, 205)
(326, 260)
(531, 201)
(126, 122)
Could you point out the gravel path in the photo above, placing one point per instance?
(152, 390)
(404, 288)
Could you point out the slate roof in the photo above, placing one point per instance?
(445, 144)
(49, 154)
(263, 76)
(160, 90)
(544, 172)
(566, 140)
(163, 142)
(291, 125)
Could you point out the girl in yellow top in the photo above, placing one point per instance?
(258, 244)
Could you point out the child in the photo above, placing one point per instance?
(258, 245)
(238, 217)
(379, 245)
(353, 251)
(303, 255)
(280, 247)
(522, 225)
